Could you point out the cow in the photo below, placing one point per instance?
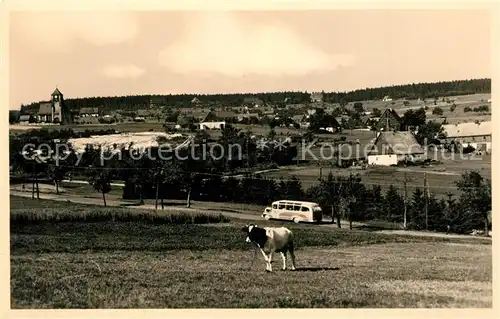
(270, 240)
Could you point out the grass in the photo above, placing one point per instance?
(127, 264)
(31, 212)
(440, 177)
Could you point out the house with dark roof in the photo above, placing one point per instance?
(389, 121)
(89, 112)
(390, 148)
(215, 120)
(252, 101)
(249, 118)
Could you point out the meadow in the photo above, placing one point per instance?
(139, 263)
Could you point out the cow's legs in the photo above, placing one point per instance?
(290, 249)
(268, 260)
(283, 256)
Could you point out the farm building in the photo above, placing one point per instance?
(23, 119)
(301, 120)
(216, 120)
(196, 100)
(316, 97)
(389, 120)
(390, 148)
(477, 135)
(55, 110)
(89, 112)
(252, 101)
(249, 118)
(387, 98)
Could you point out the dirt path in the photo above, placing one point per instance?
(236, 215)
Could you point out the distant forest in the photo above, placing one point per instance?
(408, 91)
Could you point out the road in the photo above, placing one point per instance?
(235, 215)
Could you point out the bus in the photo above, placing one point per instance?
(296, 211)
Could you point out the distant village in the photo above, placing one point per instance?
(253, 111)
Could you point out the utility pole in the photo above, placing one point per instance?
(405, 203)
(426, 201)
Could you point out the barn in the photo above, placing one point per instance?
(390, 148)
(475, 134)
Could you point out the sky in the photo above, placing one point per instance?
(117, 53)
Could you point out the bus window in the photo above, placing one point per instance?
(305, 209)
(275, 206)
(296, 208)
(289, 207)
(282, 206)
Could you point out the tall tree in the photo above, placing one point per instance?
(475, 198)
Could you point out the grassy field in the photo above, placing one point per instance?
(440, 177)
(124, 264)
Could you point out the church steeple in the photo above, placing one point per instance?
(56, 93)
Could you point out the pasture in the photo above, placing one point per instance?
(440, 176)
(136, 263)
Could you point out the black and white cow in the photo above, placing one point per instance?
(270, 240)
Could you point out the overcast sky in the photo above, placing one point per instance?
(130, 53)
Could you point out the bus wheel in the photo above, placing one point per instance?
(295, 220)
(267, 217)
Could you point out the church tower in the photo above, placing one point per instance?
(57, 100)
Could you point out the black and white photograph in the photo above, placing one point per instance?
(299, 157)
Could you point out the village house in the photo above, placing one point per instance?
(387, 98)
(25, 119)
(89, 112)
(477, 135)
(55, 110)
(249, 118)
(252, 101)
(316, 97)
(213, 120)
(390, 148)
(196, 101)
(389, 120)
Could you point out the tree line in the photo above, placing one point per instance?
(408, 91)
(213, 179)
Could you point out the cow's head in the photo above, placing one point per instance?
(255, 234)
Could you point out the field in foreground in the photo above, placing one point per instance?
(144, 265)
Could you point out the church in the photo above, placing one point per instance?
(55, 110)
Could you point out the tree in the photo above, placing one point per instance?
(271, 134)
(453, 107)
(101, 182)
(394, 205)
(475, 198)
(413, 118)
(416, 209)
(437, 111)
(56, 174)
(430, 132)
(358, 107)
(376, 112)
